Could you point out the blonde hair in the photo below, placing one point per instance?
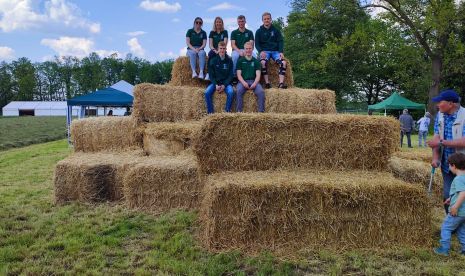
(249, 43)
(222, 44)
(214, 24)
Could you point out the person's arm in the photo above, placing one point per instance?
(204, 43)
(454, 209)
(211, 72)
(210, 44)
(229, 79)
(233, 45)
(281, 45)
(188, 43)
(257, 79)
(241, 79)
(257, 42)
(434, 144)
(225, 37)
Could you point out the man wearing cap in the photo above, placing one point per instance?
(406, 126)
(423, 126)
(449, 135)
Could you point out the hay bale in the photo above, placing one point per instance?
(92, 177)
(285, 211)
(105, 134)
(169, 138)
(163, 183)
(424, 154)
(417, 172)
(181, 74)
(237, 142)
(158, 103)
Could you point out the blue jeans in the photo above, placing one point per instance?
(272, 54)
(258, 91)
(449, 225)
(209, 98)
(409, 141)
(422, 136)
(193, 59)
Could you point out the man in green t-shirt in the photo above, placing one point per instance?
(238, 38)
(248, 74)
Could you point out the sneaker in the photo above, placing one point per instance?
(235, 81)
(201, 75)
(441, 251)
(207, 77)
(282, 85)
(267, 85)
(194, 75)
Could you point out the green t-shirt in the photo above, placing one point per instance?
(241, 37)
(458, 186)
(217, 37)
(248, 67)
(196, 39)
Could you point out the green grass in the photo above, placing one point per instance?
(37, 237)
(22, 131)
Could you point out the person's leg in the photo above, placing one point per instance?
(420, 136)
(449, 225)
(264, 63)
(409, 140)
(401, 138)
(192, 59)
(202, 58)
(229, 98)
(209, 98)
(260, 93)
(425, 135)
(282, 68)
(461, 235)
(240, 90)
(447, 179)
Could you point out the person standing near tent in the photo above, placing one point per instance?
(423, 126)
(449, 135)
(196, 40)
(221, 74)
(248, 74)
(406, 126)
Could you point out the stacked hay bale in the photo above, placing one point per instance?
(182, 75)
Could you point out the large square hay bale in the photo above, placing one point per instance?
(286, 211)
(159, 103)
(418, 172)
(92, 177)
(181, 74)
(241, 142)
(105, 134)
(163, 183)
(424, 155)
(167, 138)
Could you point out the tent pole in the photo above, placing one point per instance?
(69, 118)
(385, 112)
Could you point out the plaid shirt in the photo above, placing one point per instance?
(448, 123)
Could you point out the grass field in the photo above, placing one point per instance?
(37, 237)
(22, 131)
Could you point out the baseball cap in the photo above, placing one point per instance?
(448, 95)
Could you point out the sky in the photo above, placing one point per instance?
(150, 29)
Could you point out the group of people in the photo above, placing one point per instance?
(242, 67)
(407, 125)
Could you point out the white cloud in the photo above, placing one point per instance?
(160, 6)
(70, 46)
(136, 33)
(175, 20)
(167, 55)
(55, 14)
(6, 53)
(107, 53)
(225, 6)
(135, 47)
(183, 51)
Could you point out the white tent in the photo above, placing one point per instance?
(37, 108)
(124, 86)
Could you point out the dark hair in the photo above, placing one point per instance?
(198, 18)
(240, 17)
(458, 160)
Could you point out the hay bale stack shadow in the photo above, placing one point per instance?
(169, 138)
(417, 172)
(106, 134)
(163, 183)
(285, 211)
(92, 177)
(242, 142)
(166, 103)
(181, 74)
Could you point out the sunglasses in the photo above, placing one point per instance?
(198, 22)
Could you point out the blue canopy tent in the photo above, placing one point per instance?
(108, 97)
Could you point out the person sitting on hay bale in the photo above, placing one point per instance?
(221, 74)
(449, 135)
(270, 44)
(248, 74)
(196, 40)
(238, 38)
(216, 35)
(455, 220)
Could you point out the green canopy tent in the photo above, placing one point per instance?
(396, 101)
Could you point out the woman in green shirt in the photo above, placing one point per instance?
(196, 40)
(216, 35)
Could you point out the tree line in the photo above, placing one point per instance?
(414, 47)
(66, 77)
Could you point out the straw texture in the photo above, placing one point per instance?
(169, 138)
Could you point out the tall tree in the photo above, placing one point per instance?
(24, 79)
(6, 84)
(431, 23)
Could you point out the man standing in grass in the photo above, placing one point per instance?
(449, 135)
(406, 127)
(248, 74)
(221, 74)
